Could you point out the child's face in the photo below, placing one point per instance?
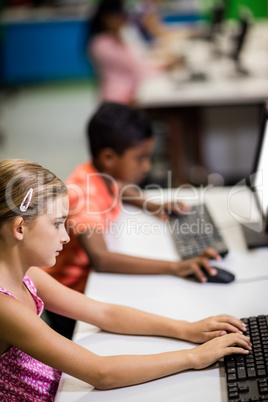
(45, 237)
(133, 165)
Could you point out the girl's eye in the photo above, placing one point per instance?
(57, 224)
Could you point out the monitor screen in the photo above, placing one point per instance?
(260, 177)
(241, 37)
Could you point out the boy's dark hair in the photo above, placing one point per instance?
(118, 127)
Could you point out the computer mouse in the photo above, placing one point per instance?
(222, 276)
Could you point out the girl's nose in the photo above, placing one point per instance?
(66, 237)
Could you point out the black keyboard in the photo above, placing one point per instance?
(195, 231)
(246, 375)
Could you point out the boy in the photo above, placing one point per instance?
(121, 143)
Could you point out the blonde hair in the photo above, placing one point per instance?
(17, 177)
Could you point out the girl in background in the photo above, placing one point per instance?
(119, 67)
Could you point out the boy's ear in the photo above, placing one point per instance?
(18, 228)
(107, 157)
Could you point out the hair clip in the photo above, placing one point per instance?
(26, 200)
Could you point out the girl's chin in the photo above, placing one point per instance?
(51, 263)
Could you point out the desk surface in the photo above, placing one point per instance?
(222, 87)
(165, 91)
(139, 234)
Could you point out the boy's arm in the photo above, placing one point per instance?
(104, 260)
(133, 195)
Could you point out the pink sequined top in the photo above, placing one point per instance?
(23, 378)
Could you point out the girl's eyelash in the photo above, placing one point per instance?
(57, 224)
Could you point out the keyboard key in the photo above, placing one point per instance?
(243, 388)
(241, 373)
(232, 377)
(251, 372)
(233, 395)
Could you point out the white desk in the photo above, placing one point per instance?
(172, 297)
(164, 91)
(223, 85)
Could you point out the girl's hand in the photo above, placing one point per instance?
(210, 352)
(213, 327)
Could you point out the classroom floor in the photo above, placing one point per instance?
(46, 124)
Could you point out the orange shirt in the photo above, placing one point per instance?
(92, 206)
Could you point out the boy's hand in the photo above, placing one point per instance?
(178, 207)
(192, 266)
(213, 327)
(168, 208)
(210, 352)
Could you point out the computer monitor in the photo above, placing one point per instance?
(239, 41)
(259, 178)
(259, 185)
(217, 19)
(218, 14)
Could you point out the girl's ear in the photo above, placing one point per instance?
(18, 229)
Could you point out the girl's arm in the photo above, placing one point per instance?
(126, 320)
(22, 328)
(104, 260)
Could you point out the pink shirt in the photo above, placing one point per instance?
(119, 67)
(23, 378)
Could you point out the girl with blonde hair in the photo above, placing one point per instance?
(33, 210)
